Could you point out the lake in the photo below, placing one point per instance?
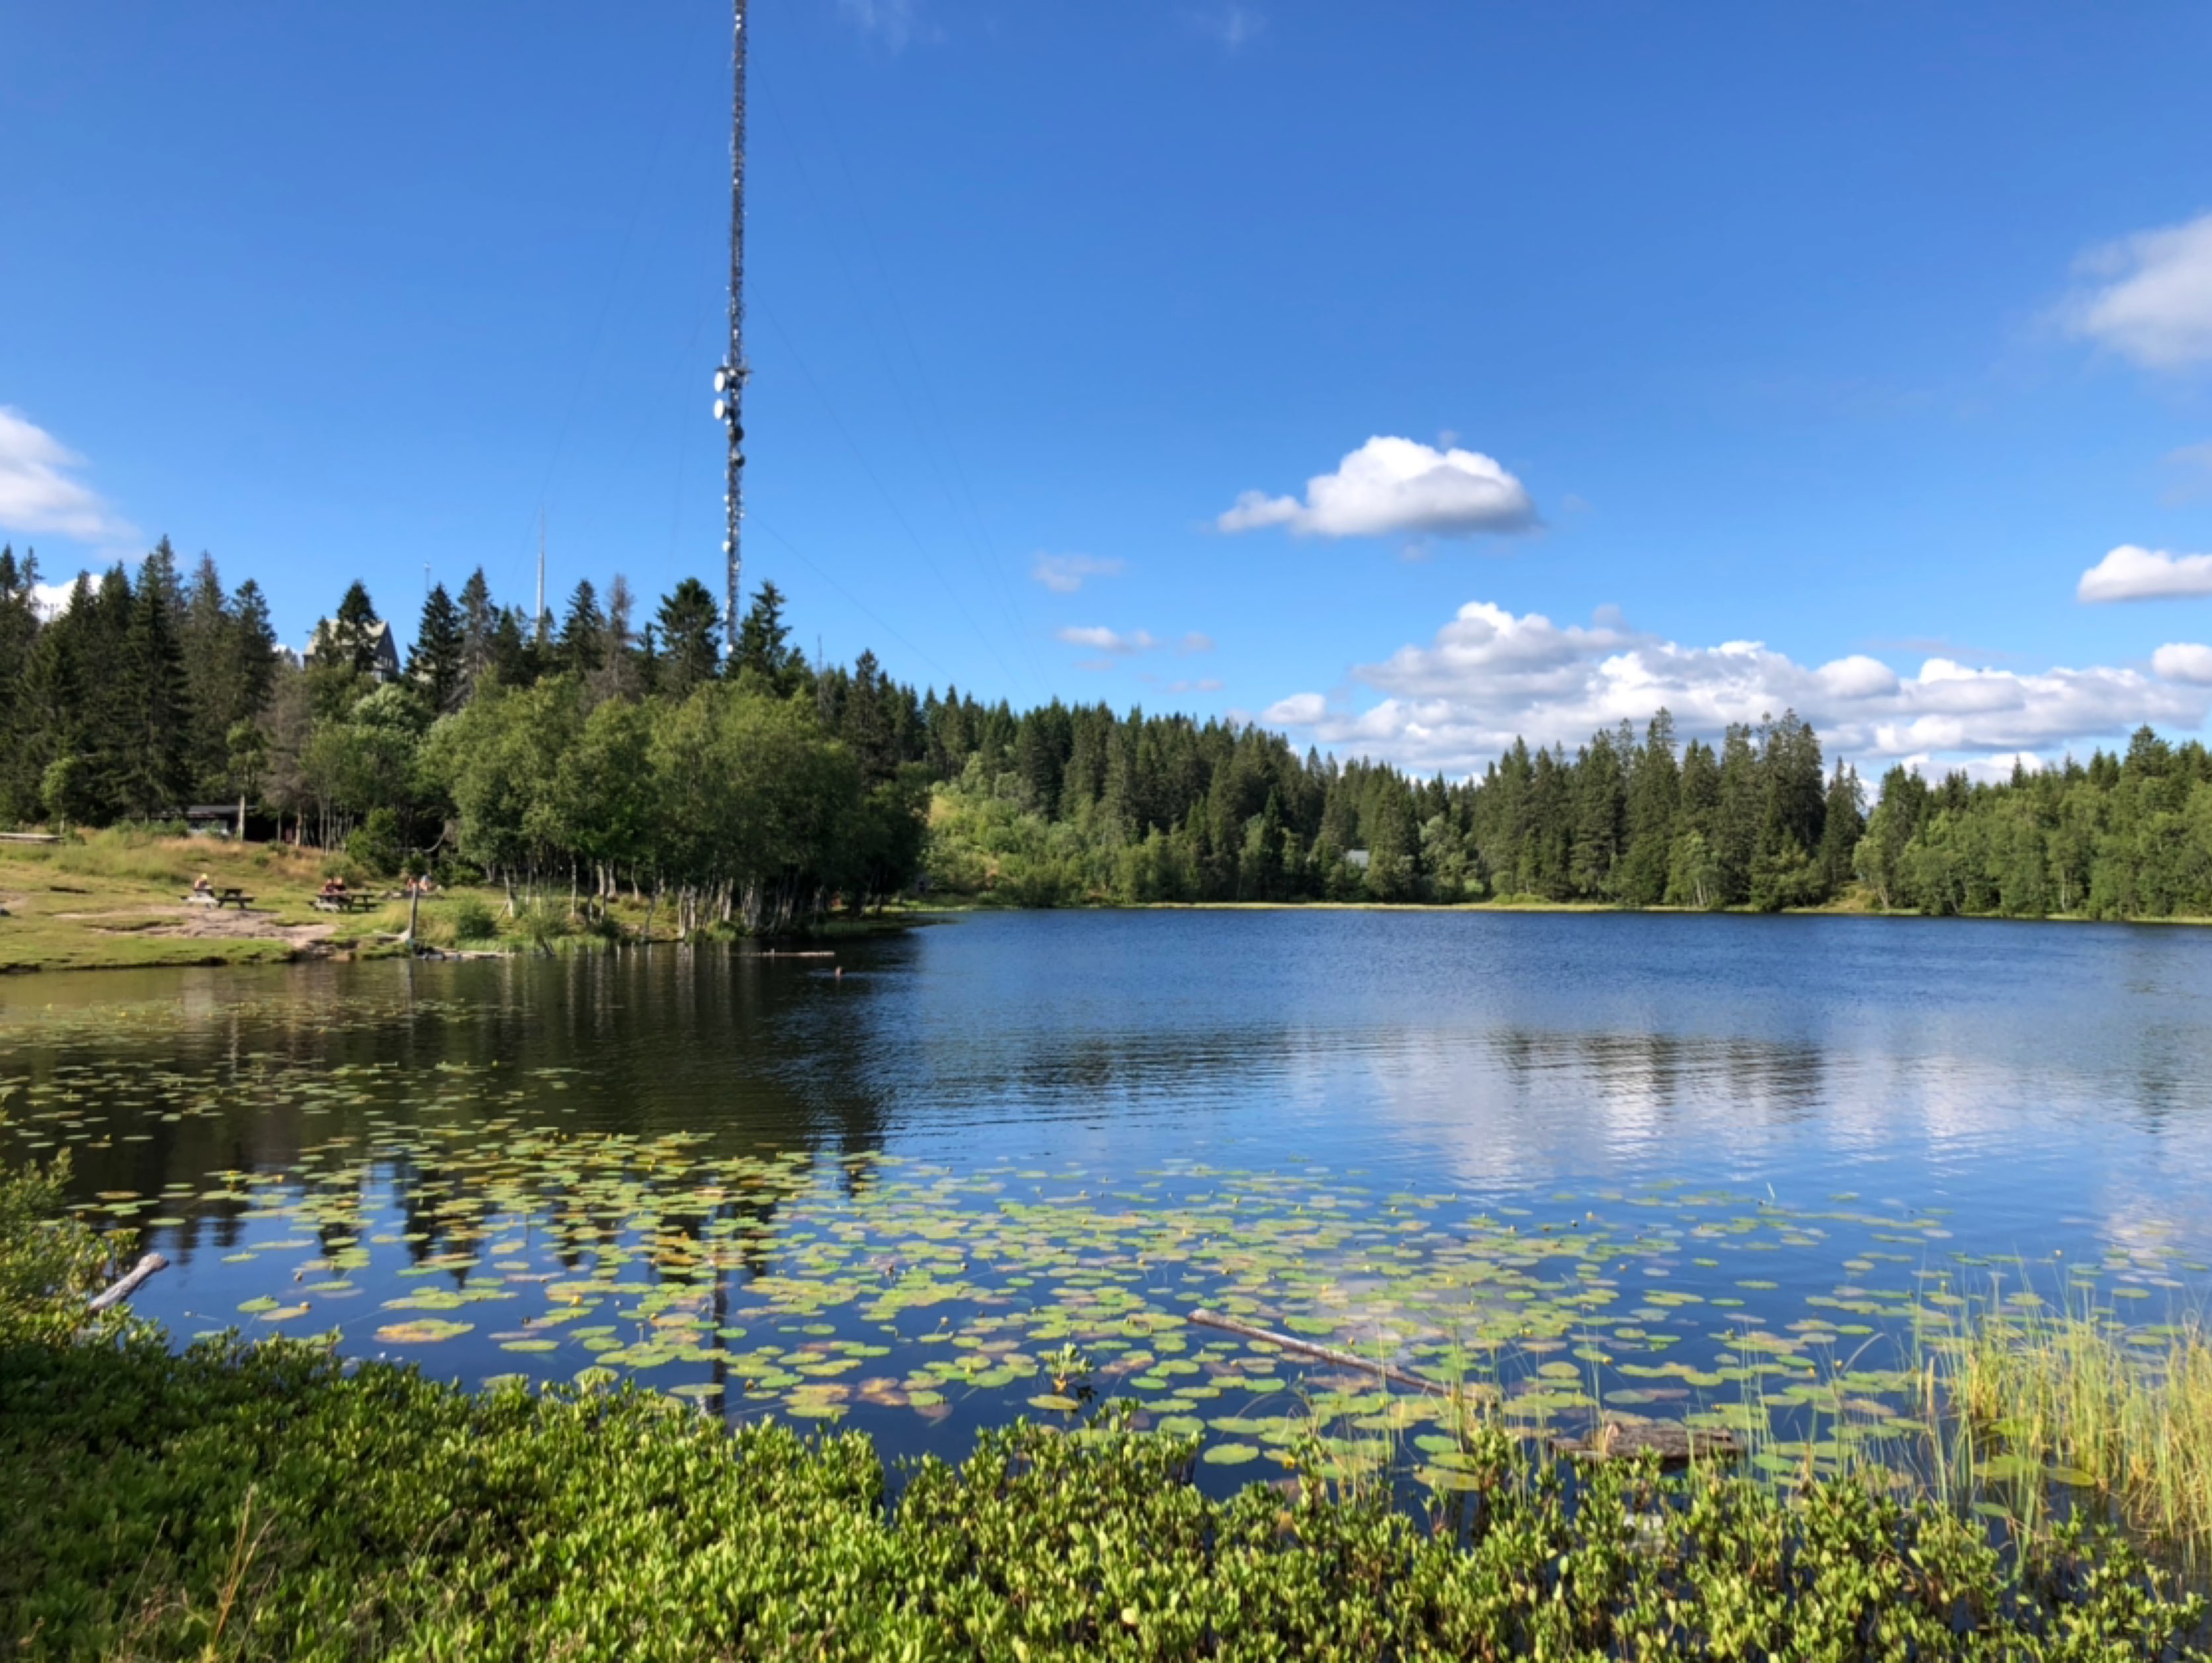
(1719, 1168)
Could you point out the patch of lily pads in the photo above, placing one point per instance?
(448, 1211)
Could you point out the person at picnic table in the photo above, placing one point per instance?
(201, 886)
(334, 888)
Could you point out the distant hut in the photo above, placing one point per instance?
(370, 643)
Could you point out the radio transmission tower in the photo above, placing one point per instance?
(730, 378)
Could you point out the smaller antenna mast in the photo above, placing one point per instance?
(538, 622)
(730, 378)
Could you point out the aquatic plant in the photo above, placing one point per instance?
(2045, 1394)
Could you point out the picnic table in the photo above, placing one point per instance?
(342, 903)
(219, 898)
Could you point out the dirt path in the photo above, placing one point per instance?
(207, 924)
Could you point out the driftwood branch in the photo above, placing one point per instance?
(130, 1285)
(1675, 1444)
(1327, 1353)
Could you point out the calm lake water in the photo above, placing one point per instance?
(1652, 1159)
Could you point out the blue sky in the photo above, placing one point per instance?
(1862, 335)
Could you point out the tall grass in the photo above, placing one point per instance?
(138, 854)
(2037, 1395)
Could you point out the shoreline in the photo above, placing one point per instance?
(138, 947)
(1477, 907)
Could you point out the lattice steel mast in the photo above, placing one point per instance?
(730, 378)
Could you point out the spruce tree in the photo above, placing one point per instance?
(617, 675)
(20, 625)
(253, 646)
(436, 663)
(1654, 801)
(689, 619)
(1843, 826)
(583, 643)
(210, 671)
(763, 645)
(151, 733)
(1738, 812)
(479, 622)
(352, 630)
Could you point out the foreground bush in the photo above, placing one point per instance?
(265, 1502)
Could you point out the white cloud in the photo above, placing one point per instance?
(1231, 22)
(51, 600)
(1299, 710)
(1857, 678)
(1064, 573)
(37, 493)
(893, 22)
(2132, 573)
(1490, 675)
(1395, 488)
(2151, 297)
(2183, 661)
(1099, 638)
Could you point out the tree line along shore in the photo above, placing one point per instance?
(601, 763)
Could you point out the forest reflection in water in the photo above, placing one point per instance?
(602, 1162)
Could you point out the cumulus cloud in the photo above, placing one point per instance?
(2132, 573)
(2182, 661)
(1299, 710)
(1490, 675)
(51, 600)
(1122, 643)
(1099, 638)
(1064, 574)
(2148, 297)
(37, 491)
(1395, 488)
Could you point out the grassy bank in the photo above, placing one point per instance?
(116, 899)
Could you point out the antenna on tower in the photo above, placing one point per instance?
(730, 378)
(537, 623)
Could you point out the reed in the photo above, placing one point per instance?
(2040, 1395)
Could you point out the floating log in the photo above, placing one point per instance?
(130, 1285)
(775, 953)
(1327, 1353)
(1676, 1444)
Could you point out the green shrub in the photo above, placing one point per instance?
(50, 1264)
(471, 920)
(271, 1502)
(376, 845)
(541, 924)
